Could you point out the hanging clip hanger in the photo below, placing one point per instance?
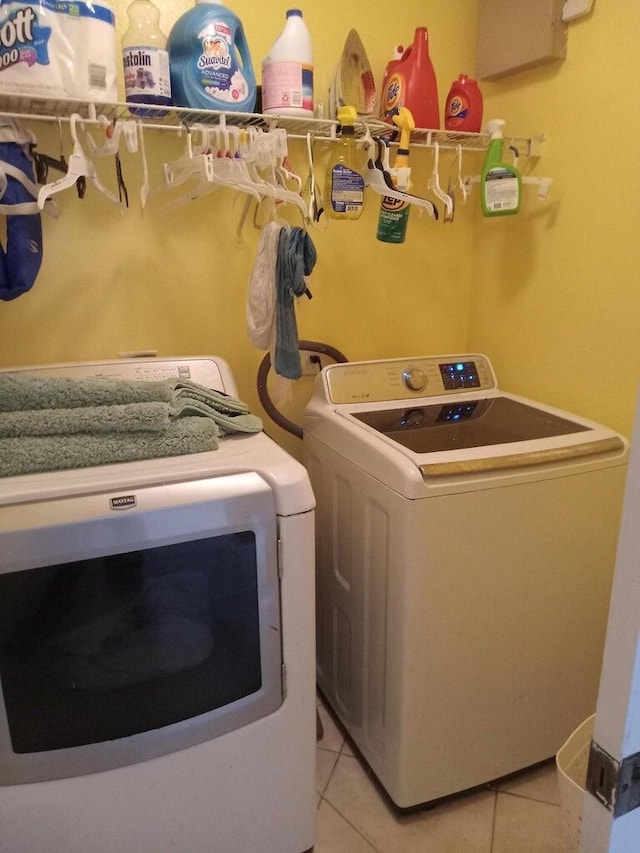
(311, 189)
(436, 189)
(264, 152)
(543, 184)
(113, 131)
(80, 167)
(193, 163)
(221, 162)
(379, 179)
(458, 182)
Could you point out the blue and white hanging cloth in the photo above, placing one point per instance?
(20, 260)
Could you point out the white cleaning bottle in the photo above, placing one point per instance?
(145, 57)
(287, 72)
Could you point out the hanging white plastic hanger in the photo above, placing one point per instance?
(193, 163)
(460, 183)
(224, 166)
(543, 184)
(436, 189)
(315, 201)
(113, 131)
(263, 152)
(378, 177)
(80, 166)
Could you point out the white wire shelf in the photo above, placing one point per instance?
(175, 118)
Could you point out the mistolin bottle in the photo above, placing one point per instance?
(144, 56)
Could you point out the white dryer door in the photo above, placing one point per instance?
(135, 624)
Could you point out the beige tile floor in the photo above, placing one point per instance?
(521, 815)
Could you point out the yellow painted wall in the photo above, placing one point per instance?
(556, 296)
(176, 282)
(550, 295)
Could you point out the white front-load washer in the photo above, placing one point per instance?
(466, 539)
(157, 667)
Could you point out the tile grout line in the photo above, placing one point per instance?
(529, 799)
(354, 828)
(493, 822)
(333, 770)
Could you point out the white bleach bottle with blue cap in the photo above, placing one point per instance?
(209, 60)
(287, 72)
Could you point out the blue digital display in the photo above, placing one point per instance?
(454, 413)
(459, 374)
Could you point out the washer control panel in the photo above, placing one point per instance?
(405, 379)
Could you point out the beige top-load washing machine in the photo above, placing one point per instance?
(466, 539)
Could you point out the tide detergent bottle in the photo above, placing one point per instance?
(410, 81)
(210, 61)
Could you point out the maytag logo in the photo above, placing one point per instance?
(123, 502)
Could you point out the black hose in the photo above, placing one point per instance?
(263, 373)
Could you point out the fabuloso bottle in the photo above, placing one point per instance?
(287, 72)
(210, 60)
(500, 183)
(344, 185)
(145, 57)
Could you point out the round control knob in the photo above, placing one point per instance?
(414, 378)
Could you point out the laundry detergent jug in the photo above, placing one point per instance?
(410, 82)
(463, 107)
(210, 62)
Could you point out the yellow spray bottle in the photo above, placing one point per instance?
(344, 183)
(394, 213)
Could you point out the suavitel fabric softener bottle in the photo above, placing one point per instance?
(210, 61)
(500, 183)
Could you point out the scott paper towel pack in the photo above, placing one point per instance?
(58, 49)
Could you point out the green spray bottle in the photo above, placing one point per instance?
(500, 183)
(394, 213)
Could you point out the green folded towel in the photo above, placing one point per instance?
(32, 454)
(228, 423)
(221, 402)
(53, 423)
(19, 392)
(129, 417)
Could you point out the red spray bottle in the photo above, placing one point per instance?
(410, 82)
